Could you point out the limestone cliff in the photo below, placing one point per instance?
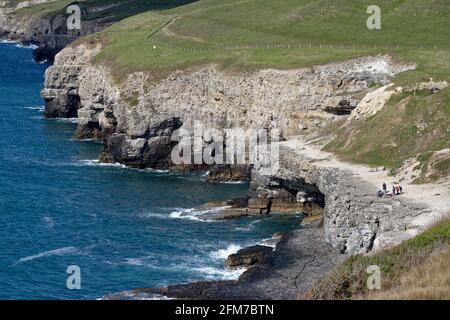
(130, 114)
(355, 219)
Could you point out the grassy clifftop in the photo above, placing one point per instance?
(416, 269)
(264, 32)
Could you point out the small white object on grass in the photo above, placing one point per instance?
(154, 47)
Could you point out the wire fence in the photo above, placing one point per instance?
(301, 45)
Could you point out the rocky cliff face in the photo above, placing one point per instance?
(130, 114)
(49, 33)
(137, 117)
(355, 219)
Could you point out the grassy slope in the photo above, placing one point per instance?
(416, 269)
(218, 25)
(409, 125)
(121, 9)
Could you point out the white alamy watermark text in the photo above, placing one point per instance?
(236, 146)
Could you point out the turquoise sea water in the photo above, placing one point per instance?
(124, 228)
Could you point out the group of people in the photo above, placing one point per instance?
(397, 189)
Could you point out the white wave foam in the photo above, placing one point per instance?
(98, 163)
(193, 214)
(69, 120)
(7, 41)
(56, 252)
(233, 182)
(39, 108)
(157, 170)
(270, 242)
(189, 214)
(205, 271)
(224, 253)
(83, 140)
(135, 261)
(157, 215)
(185, 214)
(31, 46)
(220, 274)
(135, 295)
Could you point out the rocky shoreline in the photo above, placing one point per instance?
(301, 258)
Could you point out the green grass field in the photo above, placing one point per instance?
(409, 125)
(255, 33)
(270, 33)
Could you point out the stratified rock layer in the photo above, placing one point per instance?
(356, 220)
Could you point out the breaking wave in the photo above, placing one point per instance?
(39, 108)
(31, 46)
(56, 252)
(212, 273)
(194, 214)
(99, 163)
(224, 253)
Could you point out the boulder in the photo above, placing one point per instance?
(345, 107)
(248, 256)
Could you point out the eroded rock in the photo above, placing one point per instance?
(248, 256)
(229, 173)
